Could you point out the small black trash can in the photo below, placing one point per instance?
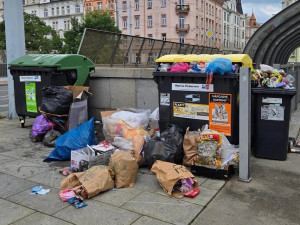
(272, 110)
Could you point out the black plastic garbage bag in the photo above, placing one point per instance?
(50, 138)
(37, 138)
(168, 147)
(56, 100)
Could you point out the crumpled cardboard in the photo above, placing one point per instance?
(123, 168)
(138, 144)
(90, 182)
(190, 148)
(169, 173)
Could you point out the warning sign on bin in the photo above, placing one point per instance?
(190, 111)
(220, 113)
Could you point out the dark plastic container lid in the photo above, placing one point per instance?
(274, 91)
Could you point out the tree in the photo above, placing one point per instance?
(98, 19)
(38, 36)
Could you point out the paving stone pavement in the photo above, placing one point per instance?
(22, 167)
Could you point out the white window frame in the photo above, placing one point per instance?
(164, 20)
(163, 3)
(77, 9)
(57, 10)
(124, 6)
(52, 11)
(68, 9)
(137, 21)
(137, 5)
(164, 36)
(124, 22)
(149, 21)
(46, 12)
(63, 12)
(149, 4)
(181, 38)
(99, 5)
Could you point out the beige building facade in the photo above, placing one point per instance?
(184, 21)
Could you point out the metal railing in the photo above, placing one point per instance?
(3, 70)
(120, 50)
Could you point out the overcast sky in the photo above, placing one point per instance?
(263, 9)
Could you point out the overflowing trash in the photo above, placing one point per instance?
(268, 77)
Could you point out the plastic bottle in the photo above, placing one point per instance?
(157, 132)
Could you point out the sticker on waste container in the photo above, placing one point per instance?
(165, 99)
(30, 79)
(220, 113)
(192, 87)
(272, 112)
(192, 98)
(272, 100)
(190, 111)
(30, 95)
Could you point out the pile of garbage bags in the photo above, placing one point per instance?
(216, 66)
(268, 77)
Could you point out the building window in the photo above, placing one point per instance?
(124, 22)
(57, 10)
(77, 8)
(150, 36)
(224, 16)
(67, 25)
(149, 21)
(197, 4)
(63, 10)
(52, 12)
(181, 21)
(164, 37)
(137, 22)
(197, 22)
(149, 4)
(55, 25)
(68, 9)
(99, 5)
(124, 6)
(45, 12)
(164, 20)
(181, 38)
(33, 12)
(89, 7)
(243, 34)
(33, 1)
(163, 3)
(137, 4)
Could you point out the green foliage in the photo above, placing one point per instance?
(38, 36)
(98, 20)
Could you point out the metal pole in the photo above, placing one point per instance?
(245, 124)
(15, 45)
(117, 13)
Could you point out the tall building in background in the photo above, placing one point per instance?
(91, 5)
(234, 27)
(251, 26)
(295, 56)
(55, 13)
(184, 21)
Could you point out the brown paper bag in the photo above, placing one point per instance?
(90, 182)
(169, 173)
(123, 168)
(190, 147)
(138, 143)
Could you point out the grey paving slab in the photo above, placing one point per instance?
(145, 220)
(10, 185)
(5, 159)
(214, 184)
(49, 203)
(51, 178)
(22, 169)
(40, 218)
(205, 196)
(147, 182)
(201, 180)
(97, 213)
(163, 208)
(118, 197)
(11, 212)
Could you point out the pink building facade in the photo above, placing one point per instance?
(184, 21)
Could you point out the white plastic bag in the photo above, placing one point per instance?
(123, 143)
(134, 120)
(266, 68)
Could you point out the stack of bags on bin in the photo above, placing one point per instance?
(268, 77)
(62, 109)
(216, 66)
